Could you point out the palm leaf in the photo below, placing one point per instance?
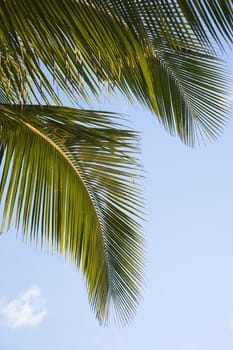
(210, 19)
(128, 44)
(197, 23)
(79, 46)
(191, 92)
(69, 183)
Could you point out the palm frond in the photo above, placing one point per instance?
(68, 175)
(200, 23)
(81, 45)
(210, 20)
(191, 92)
(69, 182)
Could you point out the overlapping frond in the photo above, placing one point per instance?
(69, 182)
(82, 44)
(81, 198)
(199, 23)
(211, 20)
(78, 45)
(191, 93)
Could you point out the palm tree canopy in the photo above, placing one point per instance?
(82, 199)
(160, 52)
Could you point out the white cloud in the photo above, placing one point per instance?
(27, 310)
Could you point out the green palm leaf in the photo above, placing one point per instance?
(197, 23)
(69, 182)
(81, 198)
(77, 44)
(191, 92)
(211, 20)
(128, 44)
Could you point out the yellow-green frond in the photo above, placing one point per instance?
(69, 182)
(77, 46)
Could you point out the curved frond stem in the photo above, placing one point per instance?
(67, 181)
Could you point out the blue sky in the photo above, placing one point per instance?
(188, 298)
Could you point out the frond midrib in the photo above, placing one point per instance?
(88, 190)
